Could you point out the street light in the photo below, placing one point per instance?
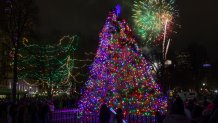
(204, 84)
(168, 62)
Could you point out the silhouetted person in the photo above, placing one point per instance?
(190, 105)
(119, 115)
(13, 112)
(21, 113)
(177, 114)
(44, 112)
(197, 114)
(33, 110)
(104, 115)
(160, 117)
(214, 112)
(205, 103)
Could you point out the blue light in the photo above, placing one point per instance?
(117, 9)
(112, 110)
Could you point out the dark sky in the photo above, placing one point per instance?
(198, 20)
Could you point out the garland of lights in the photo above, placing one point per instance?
(49, 65)
(120, 76)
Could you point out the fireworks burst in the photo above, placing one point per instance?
(153, 19)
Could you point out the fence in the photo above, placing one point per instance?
(74, 116)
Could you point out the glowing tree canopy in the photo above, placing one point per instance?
(120, 76)
(48, 65)
(153, 19)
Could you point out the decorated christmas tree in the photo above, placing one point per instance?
(120, 76)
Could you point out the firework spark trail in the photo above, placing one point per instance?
(168, 44)
(164, 40)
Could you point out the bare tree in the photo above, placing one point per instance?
(18, 20)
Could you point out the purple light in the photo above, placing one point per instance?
(206, 65)
(117, 9)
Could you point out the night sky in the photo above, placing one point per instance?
(198, 20)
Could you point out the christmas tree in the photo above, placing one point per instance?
(120, 76)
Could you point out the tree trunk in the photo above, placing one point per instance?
(49, 90)
(164, 83)
(14, 89)
(49, 93)
(15, 39)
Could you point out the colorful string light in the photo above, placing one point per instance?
(49, 65)
(120, 76)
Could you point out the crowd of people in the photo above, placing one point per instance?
(191, 111)
(37, 110)
(33, 110)
(65, 102)
(25, 111)
(179, 111)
